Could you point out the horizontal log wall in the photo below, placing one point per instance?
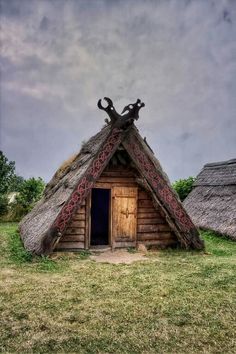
(74, 237)
(116, 177)
(152, 228)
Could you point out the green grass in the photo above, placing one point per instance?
(176, 302)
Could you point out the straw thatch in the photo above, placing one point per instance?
(39, 229)
(212, 203)
(34, 226)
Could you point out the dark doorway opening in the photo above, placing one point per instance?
(100, 205)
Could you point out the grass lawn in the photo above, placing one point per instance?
(176, 302)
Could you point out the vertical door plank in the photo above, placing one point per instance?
(124, 218)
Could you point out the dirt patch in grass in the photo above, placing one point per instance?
(118, 257)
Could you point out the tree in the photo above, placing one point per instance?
(30, 192)
(16, 183)
(183, 187)
(3, 204)
(7, 172)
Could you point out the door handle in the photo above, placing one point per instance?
(127, 212)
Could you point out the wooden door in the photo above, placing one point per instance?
(124, 216)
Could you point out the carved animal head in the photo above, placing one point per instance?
(132, 109)
(128, 115)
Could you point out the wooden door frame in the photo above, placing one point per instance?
(111, 241)
(88, 219)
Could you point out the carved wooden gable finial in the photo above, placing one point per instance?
(123, 120)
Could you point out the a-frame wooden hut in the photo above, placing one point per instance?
(113, 192)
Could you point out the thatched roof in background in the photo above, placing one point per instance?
(212, 203)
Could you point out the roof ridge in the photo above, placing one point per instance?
(220, 163)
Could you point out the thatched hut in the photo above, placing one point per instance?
(114, 193)
(212, 202)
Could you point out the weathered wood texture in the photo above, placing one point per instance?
(145, 224)
(117, 177)
(152, 228)
(74, 237)
(124, 214)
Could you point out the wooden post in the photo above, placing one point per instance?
(88, 222)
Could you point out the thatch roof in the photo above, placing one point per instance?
(71, 184)
(35, 225)
(212, 203)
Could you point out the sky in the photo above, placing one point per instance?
(58, 57)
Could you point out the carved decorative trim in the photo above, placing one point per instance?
(88, 180)
(159, 185)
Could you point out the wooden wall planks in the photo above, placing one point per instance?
(74, 237)
(152, 228)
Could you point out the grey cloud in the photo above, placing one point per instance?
(44, 24)
(59, 57)
(226, 16)
(10, 8)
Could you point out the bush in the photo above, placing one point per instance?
(9, 182)
(3, 204)
(30, 192)
(16, 212)
(183, 187)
